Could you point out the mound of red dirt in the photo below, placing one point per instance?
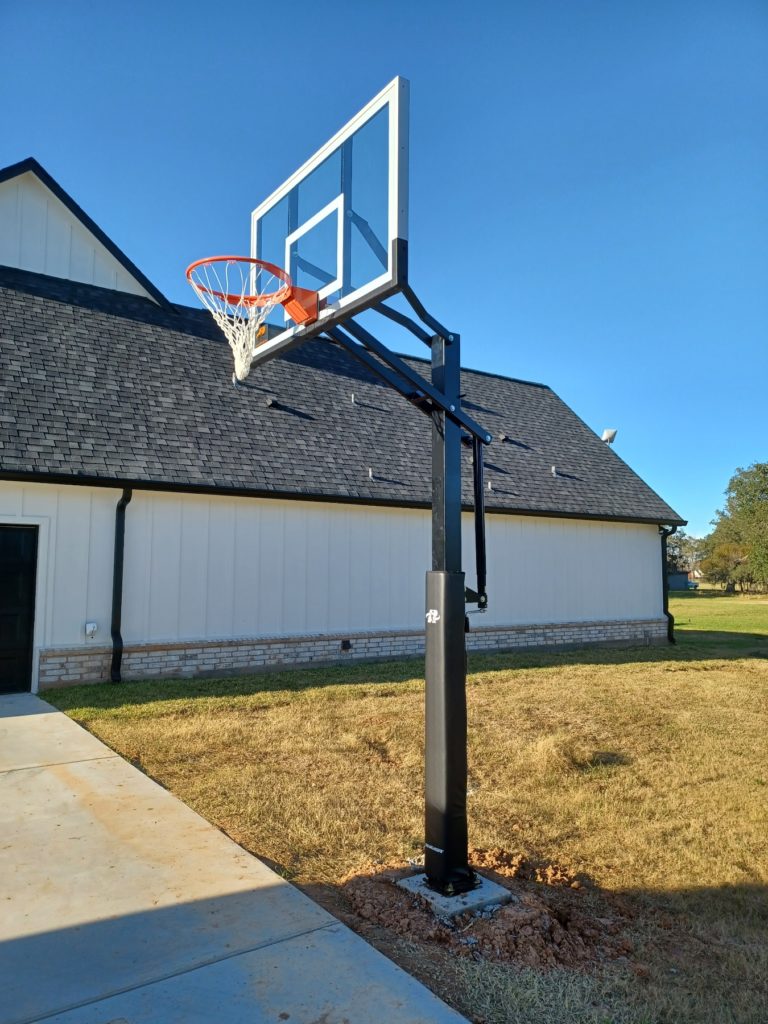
(544, 925)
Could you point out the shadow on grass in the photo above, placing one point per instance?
(694, 955)
(704, 595)
(603, 759)
(695, 644)
(692, 645)
(705, 960)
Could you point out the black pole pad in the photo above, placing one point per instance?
(445, 850)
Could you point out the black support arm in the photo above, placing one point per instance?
(363, 356)
(452, 410)
(405, 321)
(421, 312)
(423, 402)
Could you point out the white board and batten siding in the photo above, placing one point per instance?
(76, 528)
(208, 568)
(39, 233)
(239, 567)
(543, 570)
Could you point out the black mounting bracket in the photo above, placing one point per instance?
(416, 394)
(428, 399)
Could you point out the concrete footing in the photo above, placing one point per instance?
(487, 894)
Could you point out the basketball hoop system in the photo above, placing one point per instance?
(240, 292)
(355, 247)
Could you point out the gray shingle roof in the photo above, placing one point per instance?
(102, 386)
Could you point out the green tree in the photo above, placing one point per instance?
(723, 561)
(683, 552)
(736, 552)
(747, 507)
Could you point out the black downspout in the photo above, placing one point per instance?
(117, 586)
(665, 582)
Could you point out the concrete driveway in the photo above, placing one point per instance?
(120, 905)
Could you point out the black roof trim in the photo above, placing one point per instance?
(117, 484)
(30, 164)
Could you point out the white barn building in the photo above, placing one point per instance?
(155, 520)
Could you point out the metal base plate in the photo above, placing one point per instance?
(487, 894)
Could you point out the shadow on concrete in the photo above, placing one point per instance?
(218, 959)
(21, 705)
(59, 968)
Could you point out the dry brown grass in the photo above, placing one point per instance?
(646, 771)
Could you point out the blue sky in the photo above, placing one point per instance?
(597, 169)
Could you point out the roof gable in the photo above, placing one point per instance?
(42, 229)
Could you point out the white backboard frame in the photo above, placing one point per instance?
(396, 97)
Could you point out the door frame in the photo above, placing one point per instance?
(39, 626)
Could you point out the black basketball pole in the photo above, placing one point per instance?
(445, 850)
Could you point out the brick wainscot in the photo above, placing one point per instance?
(69, 666)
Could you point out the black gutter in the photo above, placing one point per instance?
(84, 480)
(117, 586)
(665, 582)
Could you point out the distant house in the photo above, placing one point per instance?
(677, 580)
(155, 520)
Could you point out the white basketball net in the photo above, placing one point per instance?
(240, 295)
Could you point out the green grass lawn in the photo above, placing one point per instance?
(643, 771)
(719, 623)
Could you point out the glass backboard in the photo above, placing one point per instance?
(339, 225)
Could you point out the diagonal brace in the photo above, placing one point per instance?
(418, 398)
(452, 410)
(404, 321)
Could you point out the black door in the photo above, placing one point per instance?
(18, 563)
